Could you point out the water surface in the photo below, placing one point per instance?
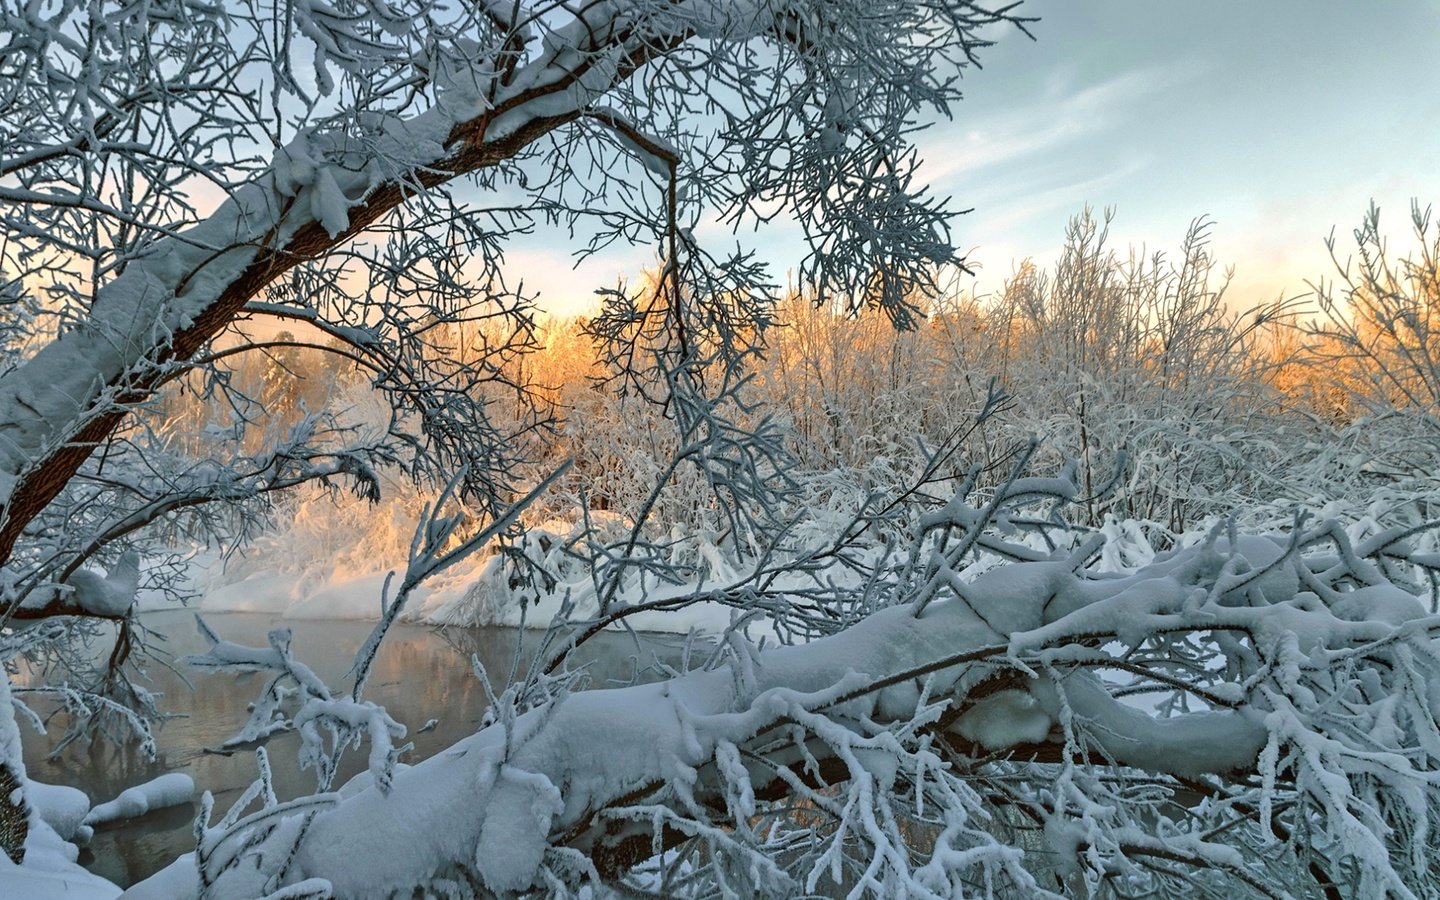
(421, 673)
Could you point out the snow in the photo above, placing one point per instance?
(1004, 719)
(45, 399)
(523, 804)
(179, 879)
(475, 593)
(536, 768)
(658, 164)
(11, 750)
(258, 594)
(50, 871)
(1378, 603)
(504, 792)
(1189, 745)
(1351, 646)
(457, 787)
(61, 807)
(170, 789)
(111, 594)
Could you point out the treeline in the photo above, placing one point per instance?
(1135, 369)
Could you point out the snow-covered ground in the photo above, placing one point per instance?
(50, 871)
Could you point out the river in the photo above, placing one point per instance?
(421, 673)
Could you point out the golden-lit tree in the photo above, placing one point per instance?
(1380, 330)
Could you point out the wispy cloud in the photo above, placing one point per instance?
(1020, 221)
(1068, 115)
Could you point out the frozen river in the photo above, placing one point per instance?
(421, 673)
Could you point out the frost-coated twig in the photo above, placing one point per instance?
(932, 583)
(1003, 701)
(429, 557)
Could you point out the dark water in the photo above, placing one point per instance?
(420, 674)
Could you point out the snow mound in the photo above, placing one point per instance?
(61, 807)
(170, 789)
(50, 871)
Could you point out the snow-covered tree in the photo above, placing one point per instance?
(169, 169)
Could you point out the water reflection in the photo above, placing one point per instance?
(420, 674)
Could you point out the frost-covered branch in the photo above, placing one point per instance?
(1297, 688)
(180, 280)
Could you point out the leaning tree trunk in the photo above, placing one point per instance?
(14, 812)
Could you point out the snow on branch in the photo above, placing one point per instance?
(347, 720)
(1174, 726)
(655, 153)
(481, 88)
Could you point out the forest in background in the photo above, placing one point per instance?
(1135, 369)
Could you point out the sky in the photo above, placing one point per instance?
(1280, 120)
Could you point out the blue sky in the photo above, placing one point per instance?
(1279, 119)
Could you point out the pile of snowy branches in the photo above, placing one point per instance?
(1251, 715)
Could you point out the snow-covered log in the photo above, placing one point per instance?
(170, 789)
